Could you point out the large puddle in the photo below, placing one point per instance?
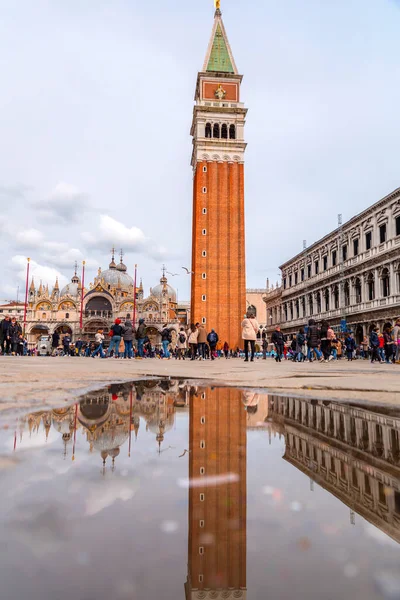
(167, 490)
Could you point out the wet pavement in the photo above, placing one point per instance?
(164, 489)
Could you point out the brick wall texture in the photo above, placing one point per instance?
(219, 189)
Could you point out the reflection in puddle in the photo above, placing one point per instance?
(141, 487)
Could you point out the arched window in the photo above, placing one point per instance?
(326, 300)
(385, 283)
(208, 130)
(297, 305)
(319, 304)
(224, 131)
(336, 296)
(311, 303)
(232, 132)
(67, 315)
(346, 294)
(303, 304)
(252, 310)
(216, 130)
(371, 287)
(358, 290)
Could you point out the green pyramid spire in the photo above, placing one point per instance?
(220, 60)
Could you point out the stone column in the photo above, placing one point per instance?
(392, 280)
(377, 285)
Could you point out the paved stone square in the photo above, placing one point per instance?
(42, 381)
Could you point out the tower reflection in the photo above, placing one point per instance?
(217, 495)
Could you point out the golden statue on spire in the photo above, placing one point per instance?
(217, 4)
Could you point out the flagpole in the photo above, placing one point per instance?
(26, 291)
(82, 293)
(134, 298)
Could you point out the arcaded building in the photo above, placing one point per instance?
(218, 248)
(352, 273)
(110, 296)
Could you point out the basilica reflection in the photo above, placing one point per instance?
(352, 451)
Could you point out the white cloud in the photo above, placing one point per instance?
(29, 238)
(65, 203)
(132, 239)
(47, 275)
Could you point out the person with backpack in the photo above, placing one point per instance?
(128, 338)
(313, 340)
(374, 343)
(388, 340)
(141, 337)
(115, 334)
(350, 344)
(212, 340)
(300, 341)
(279, 342)
(264, 345)
(182, 344)
(166, 339)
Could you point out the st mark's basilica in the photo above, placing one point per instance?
(111, 296)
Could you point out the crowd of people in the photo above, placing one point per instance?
(322, 343)
(315, 342)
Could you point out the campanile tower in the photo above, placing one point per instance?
(218, 246)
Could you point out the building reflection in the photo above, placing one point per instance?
(351, 451)
(217, 495)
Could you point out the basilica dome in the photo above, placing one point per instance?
(116, 275)
(157, 291)
(73, 288)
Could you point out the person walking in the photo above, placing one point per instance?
(313, 340)
(182, 344)
(279, 342)
(166, 339)
(396, 341)
(193, 340)
(350, 344)
(212, 340)
(5, 335)
(128, 337)
(201, 341)
(374, 343)
(78, 346)
(99, 339)
(388, 341)
(226, 350)
(115, 334)
(250, 328)
(140, 337)
(300, 341)
(14, 332)
(264, 345)
(66, 344)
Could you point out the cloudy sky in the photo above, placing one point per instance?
(95, 113)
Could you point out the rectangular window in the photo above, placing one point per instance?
(204, 320)
(202, 470)
(290, 281)
(356, 244)
(204, 211)
(296, 278)
(204, 298)
(382, 233)
(302, 274)
(204, 275)
(334, 258)
(344, 252)
(397, 225)
(316, 267)
(284, 283)
(200, 578)
(368, 240)
(204, 232)
(204, 169)
(204, 254)
(325, 263)
(309, 271)
(202, 497)
(204, 190)
(397, 502)
(201, 550)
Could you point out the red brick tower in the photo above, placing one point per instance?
(218, 247)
